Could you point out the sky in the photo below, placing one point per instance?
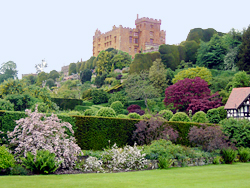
(61, 31)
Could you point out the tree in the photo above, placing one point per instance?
(170, 56)
(142, 62)
(182, 92)
(42, 76)
(50, 83)
(157, 75)
(72, 68)
(54, 75)
(212, 53)
(191, 73)
(85, 75)
(191, 48)
(31, 79)
(104, 62)
(137, 86)
(244, 52)
(240, 79)
(8, 70)
(121, 60)
(99, 80)
(11, 86)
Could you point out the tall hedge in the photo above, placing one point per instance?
(66, 104)
(95, 132)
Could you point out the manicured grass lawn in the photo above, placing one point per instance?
(236, 175)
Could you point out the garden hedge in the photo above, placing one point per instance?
(66, 104)
(93, 132)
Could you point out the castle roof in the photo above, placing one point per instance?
(237, 97)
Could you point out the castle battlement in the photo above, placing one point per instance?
(146, 19)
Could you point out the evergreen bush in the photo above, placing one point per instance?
(199, 117)
(213, 115)
(6, 105)
(106, 112)
(117, 106)
(122, 116)
(134, 115)
(166, 114)
(6, 158)
(222, 112)
(180, 116)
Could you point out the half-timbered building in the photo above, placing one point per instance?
(238, 103)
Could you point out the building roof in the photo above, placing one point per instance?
(237, 97)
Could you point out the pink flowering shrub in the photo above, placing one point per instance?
(37, 132)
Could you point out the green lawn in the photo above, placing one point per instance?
(236, 176)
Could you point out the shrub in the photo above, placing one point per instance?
(66, 104)
(244, 154)
(117, 159)
(213, 115)
(118, 96)
(106, 112)
(117, 106)
(37, 132)
(88, 112)
(99, 96)
(146, 116)
(222, 112)
(166, 114)
(229, 155)
(41, 107)
(6, 105)
(86, 93)
(209, 138)
(133, 107)
(134, 115)
(125, 112)
(81, 108)
(18, 170)
(237, 130)
(164, 163)
(6, 159)
(180, 116)
(199, 117)
(43, 162)
(139, 112)
(153, 129)
(122, 116)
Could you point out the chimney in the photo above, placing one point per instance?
(137, 16)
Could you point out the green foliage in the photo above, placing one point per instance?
(213, 115)
(157, 75)
(205, 35)
(142, 62)
(192, 73)
(6, 159)
(237, 130)
(164, 163)
(118, 96)
(244, 51)
(18, 170)
(106, 112)
(244, 154)
(50, 83)
(134, 115)
(104, 63)
(166, 114)
(122, 116)
(95, 132)
(89, 112)
(121, 60)
(53, 75)
(81, 108)
(212, 53)
(180, 116)
(146, 116)
(42, 163)
(117, 106)
(229, 155)
(41, 77)
(11, 86)
(170, 56)
(41, 107)
(199, 117)
(99, 80)
(99, 96)
(72, 68)
(8, 70)
(66, 104)
(240, 79)
(222, 112)
(85, 75)
(191, 48)
(21, 101)
(6, 105)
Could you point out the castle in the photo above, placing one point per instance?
(146, 37)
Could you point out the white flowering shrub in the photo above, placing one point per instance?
(37, 132)
(117, 159)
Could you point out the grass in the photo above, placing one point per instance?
(236, 175)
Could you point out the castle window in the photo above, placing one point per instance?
(110, 43)
(151, 41)
(135, 33)
(115, 39)
(151, 26)
(130, 39)
(136, 40)
(105, 38)
(99, 45)
(99, 40)
(135, 50)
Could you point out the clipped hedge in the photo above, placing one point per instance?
(66, 104)
(95, 132)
